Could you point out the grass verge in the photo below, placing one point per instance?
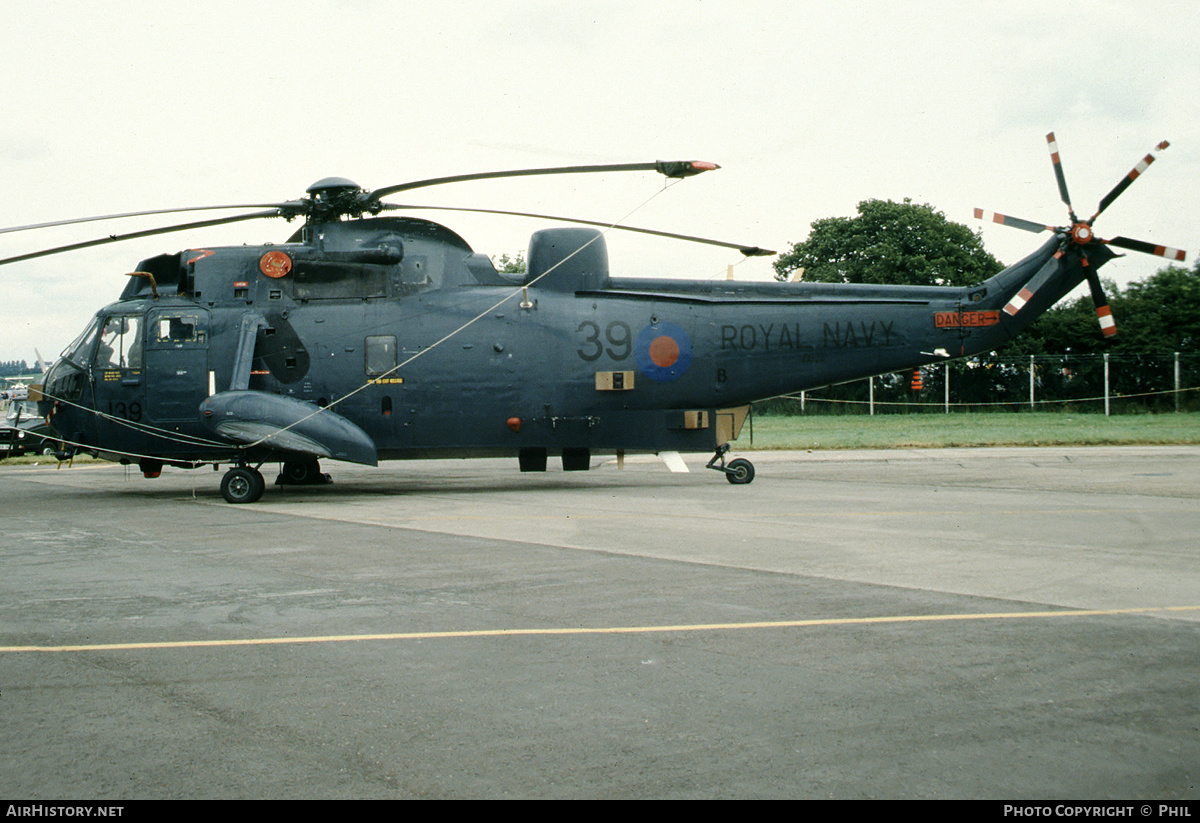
(43, 460)
(887, 431)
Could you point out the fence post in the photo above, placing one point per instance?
(1176, 382)
(803, 399)
(871, 394)
(1106, 402)
(947, 375)
(1031, 402)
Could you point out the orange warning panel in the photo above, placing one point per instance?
(965, 319)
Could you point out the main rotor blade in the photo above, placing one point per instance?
(1134, 174)
(670, 168)
(1148, 248)
(1015, 222)
(1058, 173)
(116, 238)
(99, 217)
(749, 251)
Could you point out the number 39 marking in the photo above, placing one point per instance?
(616, 334)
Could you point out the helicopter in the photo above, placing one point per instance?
(368, 336)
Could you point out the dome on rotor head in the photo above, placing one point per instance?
(332, 185)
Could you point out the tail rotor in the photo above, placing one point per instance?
(1080, 233)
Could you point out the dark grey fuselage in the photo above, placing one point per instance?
(397, 328)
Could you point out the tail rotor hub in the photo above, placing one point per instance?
(1082, 233)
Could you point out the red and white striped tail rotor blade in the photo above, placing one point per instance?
(1107, 324)
(1148, 248)
(1015, 222)
(1058, 173)
(1103, 313)
(1128, 179)
(1018, 302)
(1027, 292)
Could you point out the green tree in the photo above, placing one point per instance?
(1158, 315)
(510, 265)
(13, 368)
(890, 243)
(1161, 313)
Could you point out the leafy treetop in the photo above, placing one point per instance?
(510, 265)
(890, 243)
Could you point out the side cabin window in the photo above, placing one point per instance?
(381, 354)
(176, 330)
(332, 280)
(120, 345)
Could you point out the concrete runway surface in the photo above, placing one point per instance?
(961, 623)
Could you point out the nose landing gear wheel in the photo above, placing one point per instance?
(242, 485)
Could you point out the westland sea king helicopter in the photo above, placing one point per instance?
(366, 337)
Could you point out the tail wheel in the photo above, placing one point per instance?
(739, 471)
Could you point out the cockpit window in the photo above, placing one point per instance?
(80, 350)
(120, 343)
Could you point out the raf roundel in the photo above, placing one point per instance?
(664, 351)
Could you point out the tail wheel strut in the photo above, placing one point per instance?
(738, 471)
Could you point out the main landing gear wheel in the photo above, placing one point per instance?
(242, 485)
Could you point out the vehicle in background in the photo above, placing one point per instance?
(25, 431)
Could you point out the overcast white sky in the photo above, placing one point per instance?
(809, 107)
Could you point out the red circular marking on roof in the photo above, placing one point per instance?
(664, 352)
